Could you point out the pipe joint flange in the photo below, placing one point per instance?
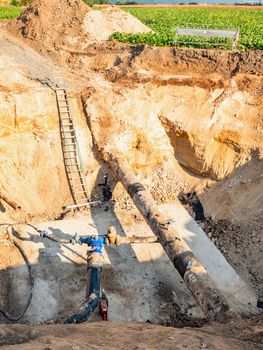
(134, 188)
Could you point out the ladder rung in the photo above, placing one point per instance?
(71, 137)
(67, 124)
(76, 178)
(72, 165)
(62, 97)
(76, 165)
(74, 171)
(82, 199)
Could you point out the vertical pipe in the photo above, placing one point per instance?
(93, 299)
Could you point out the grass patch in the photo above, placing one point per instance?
(164, 21)
(9, 12)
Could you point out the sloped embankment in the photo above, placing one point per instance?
(70, 25)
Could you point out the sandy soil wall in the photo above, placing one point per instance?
(32, 168)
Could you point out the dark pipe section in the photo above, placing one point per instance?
(5, 313)
(93, 300)
(183, 262)
(192, 199)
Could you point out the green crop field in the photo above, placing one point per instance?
(164, 21)
(9, 12)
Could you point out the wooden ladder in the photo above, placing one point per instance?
(70, 148)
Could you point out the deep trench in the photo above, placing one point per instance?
(61, 280)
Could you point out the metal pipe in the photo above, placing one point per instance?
(80, 205)
(93, 300)
(198, 281)
(6, 198)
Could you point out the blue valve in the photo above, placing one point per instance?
(96, 243)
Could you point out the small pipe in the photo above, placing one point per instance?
(5, 313)
(9, 201)
(80, 205)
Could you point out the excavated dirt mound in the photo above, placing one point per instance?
(112, 336)
(71, 24)
(241, 244)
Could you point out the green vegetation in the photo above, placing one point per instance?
(94, 2)
(9, 12)
(164, 21)
(21, 2)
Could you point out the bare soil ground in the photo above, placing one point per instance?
(112, 336)
(242, 246)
